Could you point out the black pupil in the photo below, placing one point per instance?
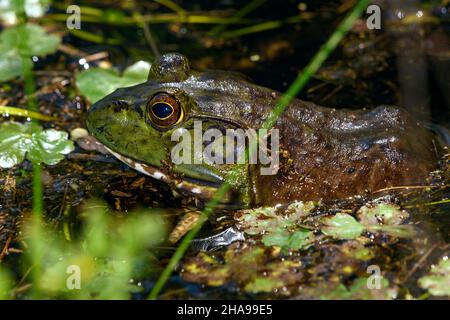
(162, 110)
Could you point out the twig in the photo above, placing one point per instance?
(5, 248)
(404, 187)
(71, 51)
(96, 56)
(420, 262)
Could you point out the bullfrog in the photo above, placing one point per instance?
(325, 153)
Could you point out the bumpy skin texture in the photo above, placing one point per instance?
(329, 154)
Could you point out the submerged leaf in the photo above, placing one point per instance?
(401, 231)
(254, 269)
(263, 285)
(18, 141)
(206, 269)
(357, 250)
(360, 289)
(342, 226)
(96, 83)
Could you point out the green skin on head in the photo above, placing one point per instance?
(326, 153)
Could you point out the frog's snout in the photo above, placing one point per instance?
(96, 115)
(104, 107)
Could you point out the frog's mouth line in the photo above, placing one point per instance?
(204, 192)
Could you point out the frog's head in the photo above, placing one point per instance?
(137, 125)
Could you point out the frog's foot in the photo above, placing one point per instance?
(189, 220)
(224, 238)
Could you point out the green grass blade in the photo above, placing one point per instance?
(252, 5)
(172, 6)
(269, 25)
(18, 112)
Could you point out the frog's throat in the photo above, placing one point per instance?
(203, 192)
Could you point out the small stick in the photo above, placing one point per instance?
(405, 187)
(420, 262)
(5, 248)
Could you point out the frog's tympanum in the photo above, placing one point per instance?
(324, 153)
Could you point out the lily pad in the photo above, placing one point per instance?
(438, 281)
(19, 141)
(21, 42)
(96, 83)
(342, 226)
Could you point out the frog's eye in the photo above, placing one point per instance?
(164, 110)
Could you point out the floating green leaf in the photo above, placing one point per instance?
(96, 83)
(263, 285)
(279, 226)
(279, 238)
(10, 64)
(11, 9)
(18, 141)
(438, 281)
(297, 240)
(266, 219)
(342, 226)
(381, 213)
(22, 42)
(399, 231)
(386, 218)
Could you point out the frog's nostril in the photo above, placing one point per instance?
(119, 105)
